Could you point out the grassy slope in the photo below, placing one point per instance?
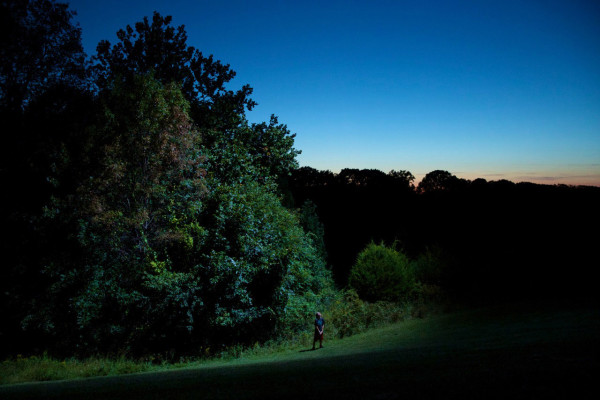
(501, 352)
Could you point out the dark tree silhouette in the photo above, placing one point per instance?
(43, 78)
(43, 106)
(403, 177)
(356, 206)
(492, 240)
(40, 47)
(438, 180)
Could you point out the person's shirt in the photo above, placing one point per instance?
(319, 322)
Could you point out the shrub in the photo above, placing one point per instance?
(428, 268)
(348, 315)
(382, 273)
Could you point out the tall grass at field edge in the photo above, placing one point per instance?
(346, 316)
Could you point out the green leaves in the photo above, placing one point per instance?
(156, 46)
(382, 273)
(138, 229)
(171, 229)
(265, 274)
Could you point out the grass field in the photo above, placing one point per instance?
(506, 352)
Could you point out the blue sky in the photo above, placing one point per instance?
(492, 89)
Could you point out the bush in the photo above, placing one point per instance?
(430, 266)
(382, 273)
(348, 315)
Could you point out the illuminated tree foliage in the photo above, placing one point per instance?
(219, 113)
(382, 273)
(162, 225)
(136, 220)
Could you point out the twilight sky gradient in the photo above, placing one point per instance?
(481, 88)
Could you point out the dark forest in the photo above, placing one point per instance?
(496, 240)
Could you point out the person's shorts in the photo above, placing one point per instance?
(318, 336)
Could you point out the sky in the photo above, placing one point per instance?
(480, 88)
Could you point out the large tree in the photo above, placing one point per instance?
(44, 103)
(159, 47)
(43, 83)
(133, 218)
(168, 256)
(40, 47)
(438, 180)
(44, 98)
(174, 235)
(218, 112)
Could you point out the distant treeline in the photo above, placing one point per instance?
(496, 239)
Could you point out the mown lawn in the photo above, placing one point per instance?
(503, 352)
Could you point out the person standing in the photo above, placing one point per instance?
(319, 327)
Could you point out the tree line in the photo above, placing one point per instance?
(485, 240)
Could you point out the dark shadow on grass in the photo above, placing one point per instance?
(303, 351)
